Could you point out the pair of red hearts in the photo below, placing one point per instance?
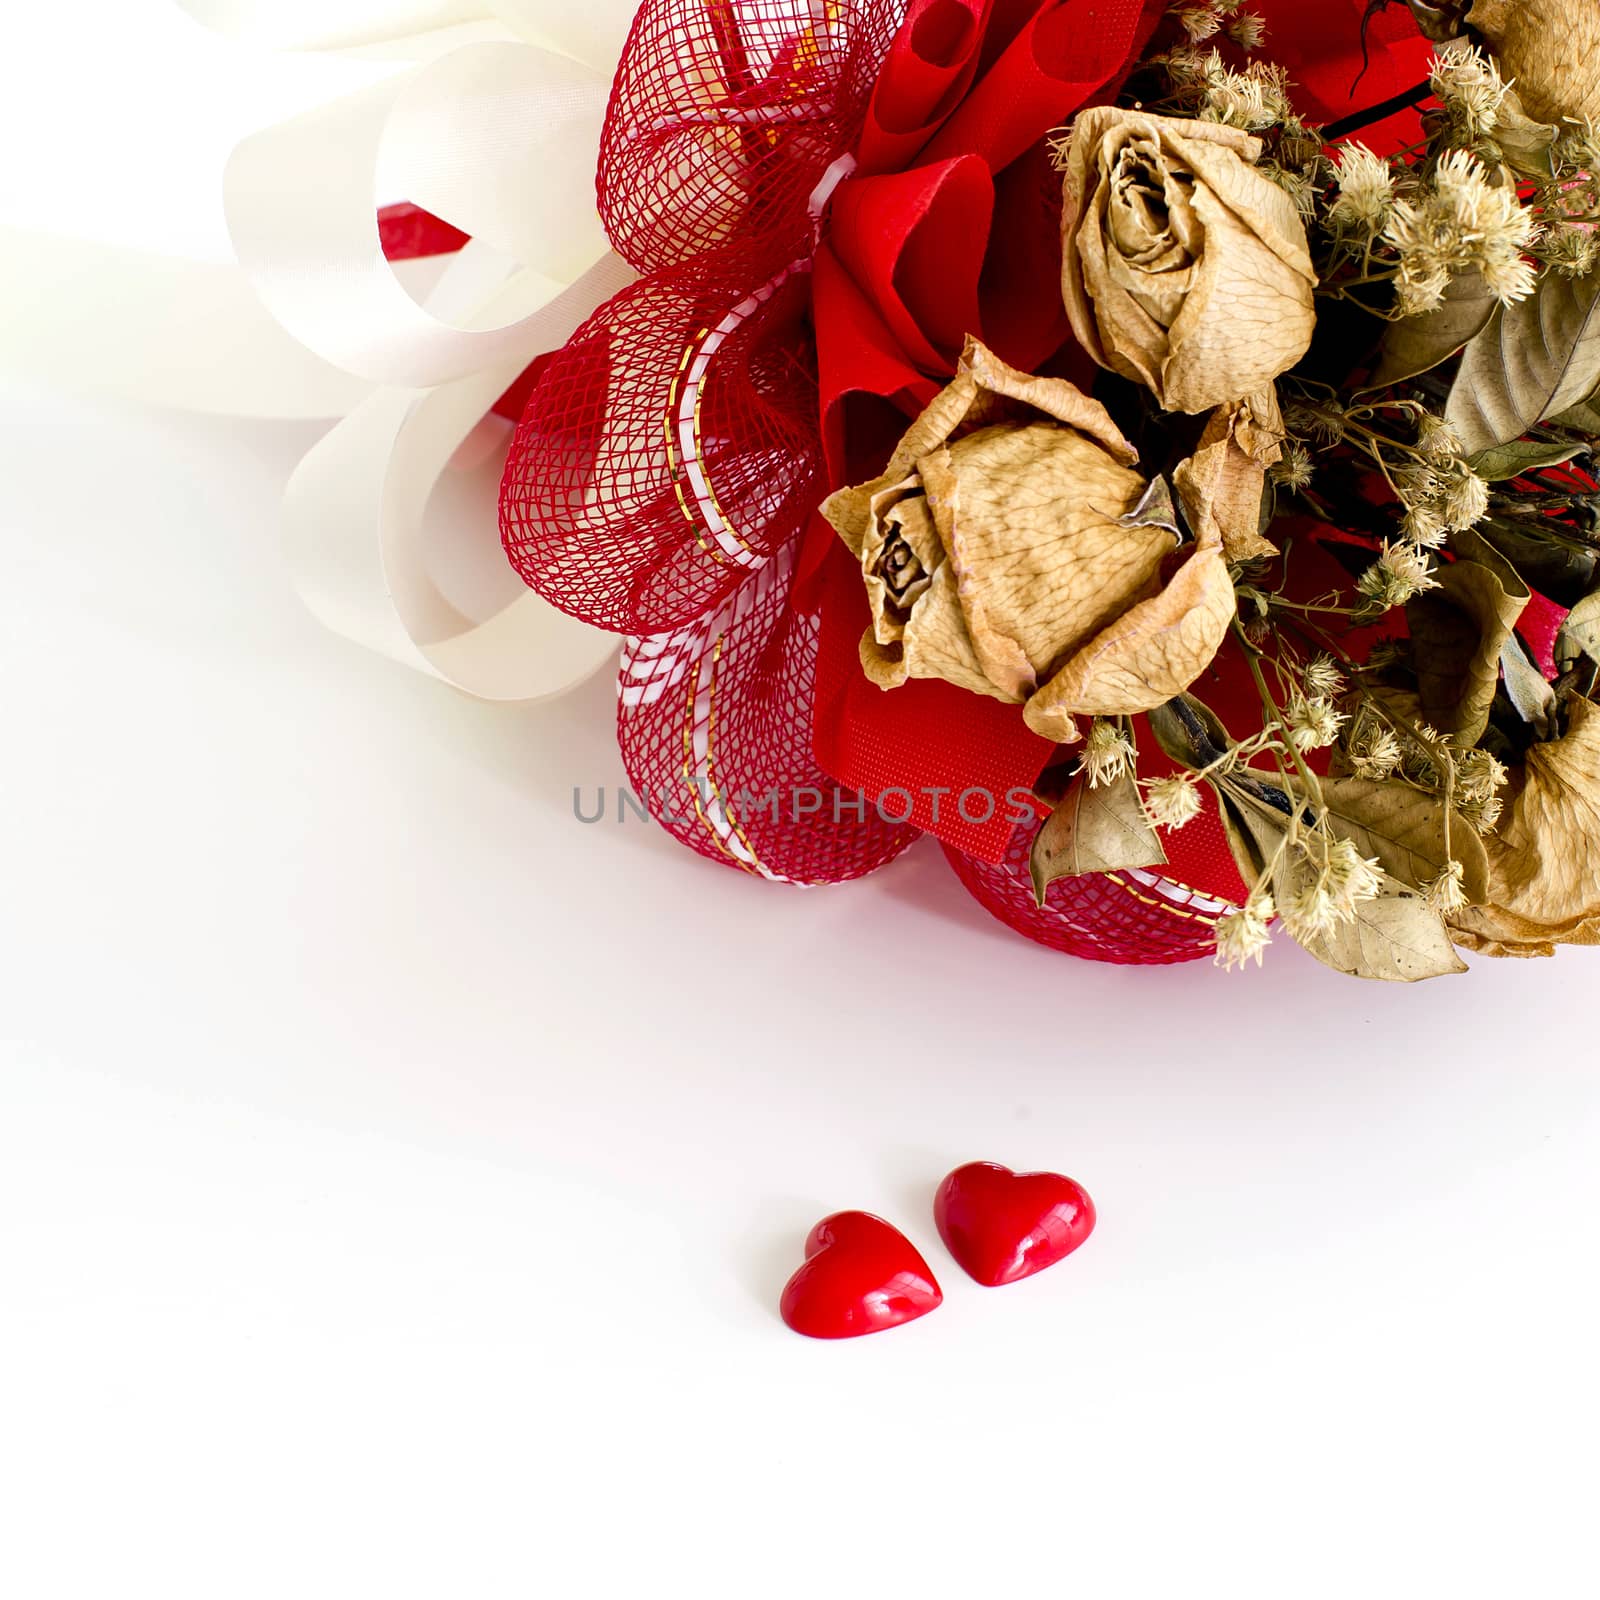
(862, 1275)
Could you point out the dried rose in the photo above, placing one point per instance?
(1544, 858)
(1009, 548)
(1184, 268)
(1550, 49)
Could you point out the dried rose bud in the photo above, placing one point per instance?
(1184, 268)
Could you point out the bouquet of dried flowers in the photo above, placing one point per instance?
(1344, 430)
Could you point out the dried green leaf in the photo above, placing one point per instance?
(1415, 345)
(1156, 509)
(1457, 633)
(1255, 816)
(1512, 460)
(1525, 143)
(1581, 418)
(1533, 359)
(1101, 829)
(1582, 627)
(1190, 732)
(1548, 559)
(1396, 938)
(1410, 833)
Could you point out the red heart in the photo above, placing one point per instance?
(860, 1276)
(1003, 1226)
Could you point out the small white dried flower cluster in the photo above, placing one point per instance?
(1294, 467)
(1204, 19)
(1447, 892)
(1436, 439)
(1577, 146)
(1573, 249)
(1244, 934)
(1339, 881)
(1343, 878)
(1374, 751)
(1248, 31)
(1458, 222)
(1314, 722)
(1254, 99)
(1108, 753)
(1320, 421)
(1470, 90)
(1401, 572)
(1426, 758)
(1323, 678)
(1366, 186)
(1200, 22)
(1172, 802)
(1479, 779)
(1441, 495)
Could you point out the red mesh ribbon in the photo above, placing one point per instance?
(1123, 917)
(673, 452)
(672, 448)
(715, 724)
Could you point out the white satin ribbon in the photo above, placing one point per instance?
(497, 139)
(370, 562)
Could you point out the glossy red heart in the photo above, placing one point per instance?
(1003, 1226)
(860, 1276)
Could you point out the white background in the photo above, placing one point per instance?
(397, 1178)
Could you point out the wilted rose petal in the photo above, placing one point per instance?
(1151, 653)
(1226, 478)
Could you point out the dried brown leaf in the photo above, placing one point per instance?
(1415, 345)
(1255, 818)
(1101, 829)
(1544, 858)
(1223, 482)
(1521, 455)
(1411, 834)
(1533, 360)
(1190, 732)
(1396, 938)
(1582, 628)
(1457, 632)
(1550, 49)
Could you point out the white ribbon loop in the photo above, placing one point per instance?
(373, 566)
(392, 531)
(301, 200)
